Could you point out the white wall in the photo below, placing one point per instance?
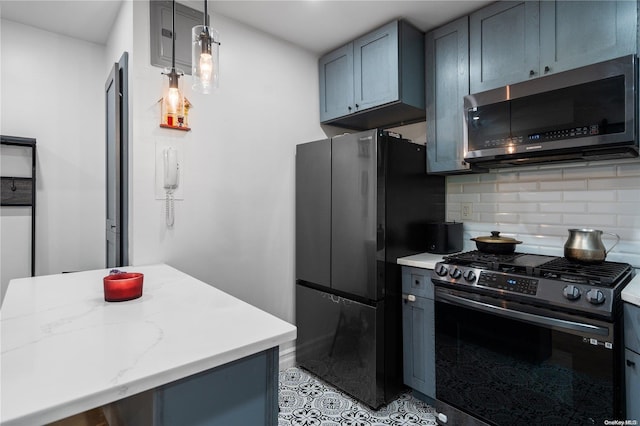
(52, 90)
(234, 229)
(537, 205)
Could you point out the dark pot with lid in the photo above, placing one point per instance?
(495, 244)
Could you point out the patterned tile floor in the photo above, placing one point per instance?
(307, 401)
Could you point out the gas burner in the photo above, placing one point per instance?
(605, 274)
(521, 263)
(481, 258)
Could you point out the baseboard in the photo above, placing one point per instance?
(287, 357)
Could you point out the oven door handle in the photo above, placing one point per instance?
(523, 316)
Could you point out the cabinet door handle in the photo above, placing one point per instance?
(631, 363)
(357, 106)
(349, 107)
(546, 69)
(532, 73)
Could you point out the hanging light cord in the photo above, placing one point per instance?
(173, 38)
(206, 15)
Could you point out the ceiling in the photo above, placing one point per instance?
(315, 25)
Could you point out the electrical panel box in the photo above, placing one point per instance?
(161, 14)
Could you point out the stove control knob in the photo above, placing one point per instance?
(456, 273)
(469, 276)
(595, 296)
(442, 270)
(571, 292)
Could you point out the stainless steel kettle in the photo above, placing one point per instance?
(585, 245)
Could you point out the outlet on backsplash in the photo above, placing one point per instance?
(466, 211)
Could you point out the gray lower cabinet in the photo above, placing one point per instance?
(632, 384)
(514, 41)
(632, 359)
(418, 331)
(374, 81)
(242, 392)
(447, 82)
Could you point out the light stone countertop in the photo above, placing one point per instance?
(631, 292)
(421, 260)
(65, 350)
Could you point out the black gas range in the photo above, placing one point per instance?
(589, 289)
(528, 339)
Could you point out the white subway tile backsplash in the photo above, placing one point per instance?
(566, 207)
(499, 217)
(532, 197)
(610, 208)
(632, 169)
(519, 207)
(589, 220)
(497, 197)
(614, 183)
(540, 175)
(601, 196)
(454, 188)
(563, 185)
(541, 217)
(478, 188)
(463, 198)
(485, 208)
(629, 221)
(629, 195)
(517, 186)
(589, 172)
(538, 205)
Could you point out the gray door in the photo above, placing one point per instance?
(354, 203)
(116, 165)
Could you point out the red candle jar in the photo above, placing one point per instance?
(122, 286)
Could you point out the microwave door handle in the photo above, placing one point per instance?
(523, 316)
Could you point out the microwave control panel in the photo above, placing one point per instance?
(575, 132)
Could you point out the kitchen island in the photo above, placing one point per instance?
(195, 351)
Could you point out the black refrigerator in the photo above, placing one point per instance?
(362, 201)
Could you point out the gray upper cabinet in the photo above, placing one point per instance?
(504, 44)
(511, 42)
(336, 83)
(578, 33)
(375, 81)
(376, 67)
(447, 82)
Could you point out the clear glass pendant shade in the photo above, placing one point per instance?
(204, 58)
(174, 111)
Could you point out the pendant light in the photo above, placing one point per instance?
(173, 99)
(204, 56)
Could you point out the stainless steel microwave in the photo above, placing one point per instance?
(589, 113)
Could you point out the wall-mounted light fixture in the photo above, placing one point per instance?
(205, 55)
(173, 112)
